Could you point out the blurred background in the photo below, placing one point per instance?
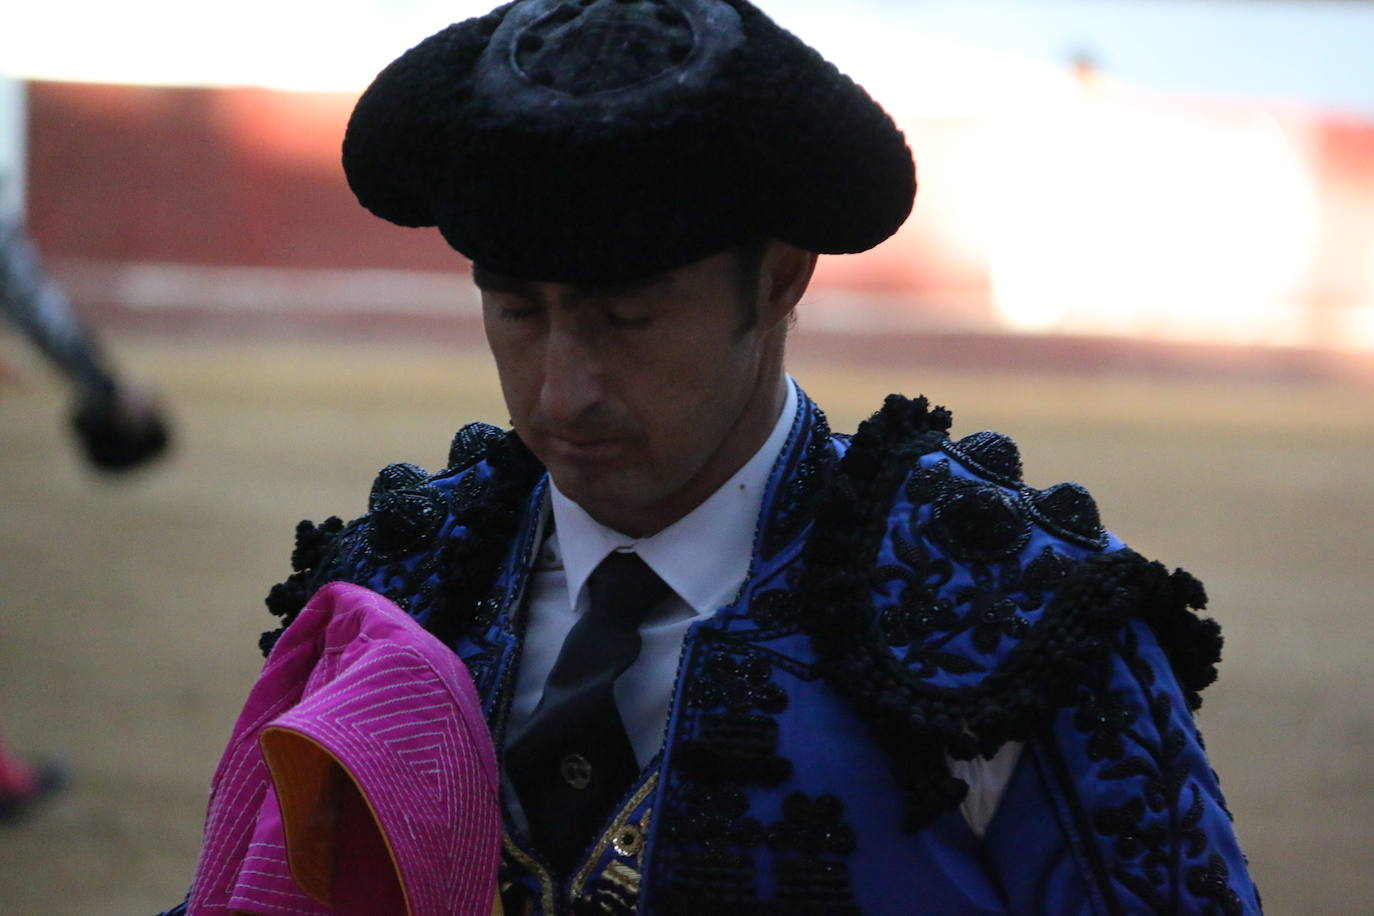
(1143, 246)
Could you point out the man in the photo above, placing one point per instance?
(733, 662)
(119, 427)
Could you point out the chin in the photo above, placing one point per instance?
(592, 488)
(604, 496)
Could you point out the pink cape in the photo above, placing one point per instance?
(360, 777)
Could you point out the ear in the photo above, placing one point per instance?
(783, 277)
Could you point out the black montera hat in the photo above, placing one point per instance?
(610, 139)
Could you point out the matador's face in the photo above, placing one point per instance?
(639, 398)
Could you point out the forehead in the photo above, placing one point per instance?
(702, 276)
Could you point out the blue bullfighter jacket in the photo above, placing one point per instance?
(910, 600)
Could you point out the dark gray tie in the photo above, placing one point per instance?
(572, 761)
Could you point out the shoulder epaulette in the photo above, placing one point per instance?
(958, 609)
(464, 512)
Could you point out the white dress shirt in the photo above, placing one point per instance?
(704, 558)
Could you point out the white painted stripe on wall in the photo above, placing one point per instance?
(152, 286)
(145, 286)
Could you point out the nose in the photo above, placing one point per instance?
(573, 382)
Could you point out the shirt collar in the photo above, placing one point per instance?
(703, 556)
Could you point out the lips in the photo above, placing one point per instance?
(584, 449)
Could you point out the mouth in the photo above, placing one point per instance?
(584, 450)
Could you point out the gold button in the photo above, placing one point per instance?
(628, 840)
(576, 770)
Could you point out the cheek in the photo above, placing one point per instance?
(694, 404)
(515, 368)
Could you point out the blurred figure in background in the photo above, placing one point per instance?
(119, 426)
(22, 784)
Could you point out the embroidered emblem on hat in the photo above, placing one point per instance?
(596, 46)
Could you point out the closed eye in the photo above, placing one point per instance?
(507, 313)
(628, 321)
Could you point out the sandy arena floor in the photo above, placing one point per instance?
(130, 609)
